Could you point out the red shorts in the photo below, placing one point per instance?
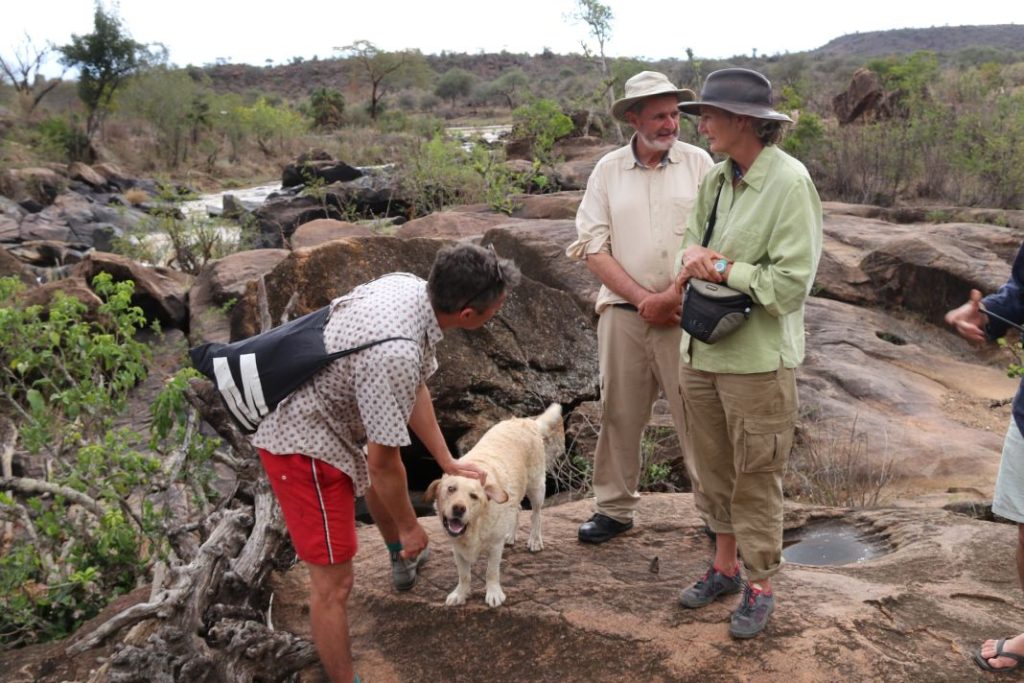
(318, 504)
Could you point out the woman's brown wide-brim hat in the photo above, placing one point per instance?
(740, 91)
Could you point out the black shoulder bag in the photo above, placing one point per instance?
(253, 375)
(712, 311)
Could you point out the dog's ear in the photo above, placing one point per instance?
(496, 493)
(431, 492)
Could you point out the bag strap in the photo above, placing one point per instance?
(714, 215)
(345, 352)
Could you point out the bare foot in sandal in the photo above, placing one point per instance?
(1005, 654)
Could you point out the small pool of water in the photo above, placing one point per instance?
(830, 543)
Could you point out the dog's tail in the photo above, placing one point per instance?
(553, 433)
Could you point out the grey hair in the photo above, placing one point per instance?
(768, 131)
(468, 275)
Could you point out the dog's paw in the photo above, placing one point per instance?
(535, 544)
(495, 596)
(455, 598)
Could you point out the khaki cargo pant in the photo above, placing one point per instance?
(636, 360)
(740, 430)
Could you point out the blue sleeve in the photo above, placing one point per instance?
(1008, 302)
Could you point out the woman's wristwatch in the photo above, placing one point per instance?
(721, 264)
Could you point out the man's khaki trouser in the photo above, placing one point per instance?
(636, 361)
(740, 430)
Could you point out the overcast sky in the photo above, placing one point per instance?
(203, 31)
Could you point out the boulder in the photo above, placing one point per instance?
(538, 340)
(88, 175)
(160, 292)
(554, 206)
(14, 267)
(219, 286)
(458, 224)
(328, 171)
(74, 286)
(280, 215)
(573, 175)
(48, 224)
(865, 99)
(35, 184)
(538, 248)
(581, 147)
(324, 230)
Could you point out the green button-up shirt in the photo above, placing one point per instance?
(769, 226)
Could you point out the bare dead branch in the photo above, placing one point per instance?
(32, 487)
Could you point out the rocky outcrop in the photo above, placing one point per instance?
(577, 612)
(539, 339)
(160, 292)
(455, 224)
(324, 230)
(312, 170)
(220, 285)
(865, 99)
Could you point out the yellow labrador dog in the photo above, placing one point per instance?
(515, 454)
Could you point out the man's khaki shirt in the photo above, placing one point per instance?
(638, 214)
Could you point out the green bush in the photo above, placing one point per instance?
(437, 174)
(94, 526)
(542, 122)
(59, 140)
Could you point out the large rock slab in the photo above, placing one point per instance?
(219, 286)
(324, 230)
(924, 268)
(160, 292)
(918, 395)
(539, 248)
(539, 348)
(578, 612)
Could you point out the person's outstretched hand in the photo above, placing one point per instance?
(968, 320)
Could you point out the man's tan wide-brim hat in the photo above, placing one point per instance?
(648, 84)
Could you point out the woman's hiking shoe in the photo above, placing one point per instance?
(751, 616)
(709, 588)
(403, 572)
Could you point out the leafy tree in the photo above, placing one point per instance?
(510, 85)
(598, 18)
(23, 71)
(326, 106)
(174, 104)
(454, 83)
(384, 71)
(106, 58)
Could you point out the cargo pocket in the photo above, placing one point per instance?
(766, 444)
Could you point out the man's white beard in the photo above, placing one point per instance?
(660, 144)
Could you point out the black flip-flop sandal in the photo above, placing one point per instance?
(985, 666)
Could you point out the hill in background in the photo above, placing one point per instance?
(1008, 38)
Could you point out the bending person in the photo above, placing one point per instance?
(312, 444)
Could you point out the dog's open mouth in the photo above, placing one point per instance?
(454, 527)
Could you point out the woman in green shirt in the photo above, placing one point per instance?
(740, 393)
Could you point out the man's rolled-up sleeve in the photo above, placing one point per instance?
(593, 223)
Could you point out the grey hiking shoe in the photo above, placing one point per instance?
(751, 616)
(403, 572)
(709, 588)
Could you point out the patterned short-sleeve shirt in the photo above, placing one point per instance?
(368, 395)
